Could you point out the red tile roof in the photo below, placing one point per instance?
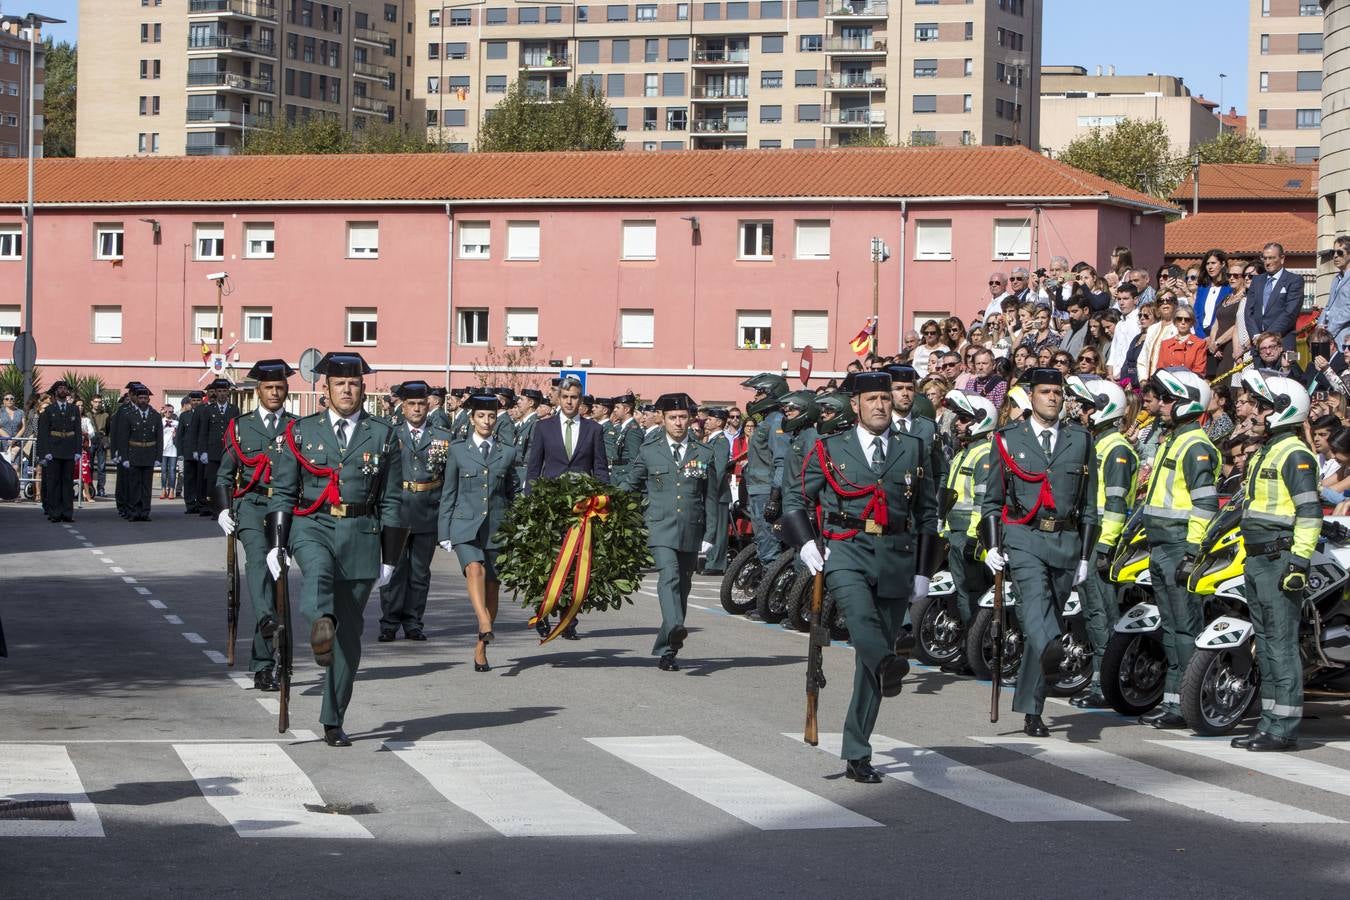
(1252, 181)
(891, 173)
(1242, 233)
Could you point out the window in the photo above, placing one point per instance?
(522, 326)
(616, 13)
(970, 67)
(967, 102)
(771, 43)
(522, 240)
(1308, 118)
(527, 15)
(260, 240)
(970, 31)
(460, 18)
(434, 18)
(588, 52)
(205, 325)
(808, 9)
(682, 12)
(582, 14)
(108, 244)
(618, 51)
(472, 327)
(363, 240)
(1310, 43)
(1012, 239)
(811, 43)
(1308, 81)
(1261, 118)
(475, 240)
(677, 50)
(453, 118)
(771, 113)
(258, 325)
(925, 68)
(712, 11)
(1309, 8)
(620, 116)
(456, 50)
(637, 328)
(925, 103)
(209, 239)
(1265, 44)
(808, 112)
(107, 324)
(1307, 154)
(677, 119)
(362, 327)
(496, 15)
(639, 239)
(649, 85)
(11, 242)
(926, 31)
(813, 239)
(738, 9)
(754, 329)
(933, 239)
(496, 50)
(1264, 81)
(646, 12)
(9, 323)
(552, 15)
(920, 138)
(771, 9)
(672, 84)
(771, 78)
(804, 78)
(495, 84)
(810, 329)
(770, 144)
(756, 240)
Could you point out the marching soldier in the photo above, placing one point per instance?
(335, 508)
(460, 425)
(1181, 500)
(480, 484)
(138, 441)
(1034, 520)
(530, 398)
(959, 505)
(715, 418)
(908, 419)
(1281, 524)
(624, 439)
(680, 476)
(505, 429)
(241, 496)
(58, 444)
(1104, 404)
(766, 459)
(394, 403)
(209, 422)
(437, 417)
(870, 495)
(424, 448)
(185, 440)
(600, 407)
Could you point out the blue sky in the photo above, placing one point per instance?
(1140, 36)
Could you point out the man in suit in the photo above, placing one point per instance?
(1275, 297)
(209, 422)
(138, 441)
(714, 422)
(58, 444)
(1335, 318)
(567, 442)
(679, 475)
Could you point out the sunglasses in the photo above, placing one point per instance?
(1248, 274)
(1182, 319)
(1232, 275)
(1192, 277)
(992, 283)
(950, 364)
(930, 334)
(1017, 278)
(953, 328)
(1088, 359)
(1338, 252)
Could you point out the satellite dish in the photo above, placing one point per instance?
(308, 360)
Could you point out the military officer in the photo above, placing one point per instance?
(424, 449)
(480, 484)
(1281, 524)
(1182, 498)
(871, 497)
(437, 416)
(208, 427)
(529, 401)
(122, 490)
(241, 496)
(58, 444)
(1103, 403)
(1034, 520)
(460, 426)
(624, 438)
(715, 418)
(394, 405)
(184, 438)
(505, 429)
(587, 406)
(680, 477)
(337, 493)
(959, 505)
(766, 458)
(138, 441)
(910, 420)
(600, 409)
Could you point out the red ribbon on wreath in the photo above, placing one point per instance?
(1046, 497)
(262, 463)
(330, 494)
(875, 510)
(574, 553)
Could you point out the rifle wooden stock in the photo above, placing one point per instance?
(231, 598)
(281, 648)
(996, 629)
(815, 659)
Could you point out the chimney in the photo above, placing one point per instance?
(1099, 71)
(1111, 70)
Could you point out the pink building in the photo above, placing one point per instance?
(665, 271)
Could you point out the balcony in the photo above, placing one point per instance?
(369, 106)
(856, 46)
(371, 36)
(847, 82)
(248, 9)
(229, 81)
(371, 71)
(227, 43)
(721, 125)
(857, 9)
(737, 56)
(227, 117)
(545, 62)
(216, 150)
(704, 93)
(855, 118)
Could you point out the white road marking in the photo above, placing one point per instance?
(156, 603)
(143, 591)
(753, 796)
(104, 559)
(45, 772)
(88, 545)
(261, 792)
(507, 796)
(303, 734)
(271, 704)
(95, 550)
(242, 679)
(193, 637)
(117, 570)
(128, 579)
(173, 620)
(1142, 778)
(1299, 770)
(968, 785)
(215, 656)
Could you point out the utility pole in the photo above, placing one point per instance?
(880, 253)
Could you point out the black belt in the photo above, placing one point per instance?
(343, 510)
(260, 489)
(1272, 548)
(867, 526)
(1051, 524)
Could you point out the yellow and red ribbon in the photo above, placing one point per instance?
(575, 553)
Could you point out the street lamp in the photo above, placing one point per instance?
(32, 20)
(1222, 76)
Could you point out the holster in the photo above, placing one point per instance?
(392, 543)
(222, 498)
(277, 529)
(1087, 539)
(991, 532)
(796, 528)
(931, 555)
(946, 500)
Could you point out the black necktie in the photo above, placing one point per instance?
(675, 451)
(878, 455)
(342, 433)
(486, 448)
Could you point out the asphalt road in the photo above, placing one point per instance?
(578, 769)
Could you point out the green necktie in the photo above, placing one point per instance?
(272, 422)
(1045, 441)
(675, 451)
(342, 433)
(567, 438)
(878, 455)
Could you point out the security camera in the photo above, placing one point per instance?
(217, 276)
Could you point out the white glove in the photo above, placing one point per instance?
(1081, 575)
(47, 458)
(386, 573)
(203, 458)
(226, 521)
(811, 557)
(704, 547)
(447, 546)
(126, 464)
(274, 561)
(995, 560)
(920, 588)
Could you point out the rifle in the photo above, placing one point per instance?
(281, 645)
(815, 661)
(996, 630)
(231, 597)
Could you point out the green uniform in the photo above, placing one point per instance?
(966, 484)
(1044, 553)
(438, 418)
(681, 515)
(765, 462)
(339, 555)
(460, 426)
(261, 444)
(926, 430)
(58, 436)
(1117, 483)
(524, 436)
(1283, 518)
(627, 440)
(478, 491)
(1181, 500)
(870, 576)
(122, 488)
(404, 599)
(716, 562)
(184, 438)
(138, 440)
(505, 429)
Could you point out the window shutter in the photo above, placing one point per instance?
(810, 329)
(522, 240)
(639, 240)
(813, 240)
(933, 238)
(1012, 238)
(522, 326)
(637, 328)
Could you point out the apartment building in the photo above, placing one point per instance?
(1074, 102)
(1284, 76)
(195, 77)
(744, 73)
(15, 90)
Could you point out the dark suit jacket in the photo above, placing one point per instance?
(1281, 315)
(548, 460)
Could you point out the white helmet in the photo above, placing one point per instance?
(973, 408)
(1018, 395)
(1288, 398)
(1104, 396)
(1186, 389)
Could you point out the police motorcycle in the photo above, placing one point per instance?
(800, 415)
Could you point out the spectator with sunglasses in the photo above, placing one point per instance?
(1336, 317)
(1182, 348)
(1089, 362)
(931, 346)
(954, 332)
(998, 283)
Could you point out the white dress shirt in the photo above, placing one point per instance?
(1127, 329)
(576, 431)
(865, 439)
(352, 420)
(1038, 429)
(478, 443)
(903, 423)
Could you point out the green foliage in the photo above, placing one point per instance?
(58, 136)
(577, 118)
(533, 530)
(328, 135)
(877, 137)
(1231, 147)
(11, 381)
(84, 387)
(1135, 153)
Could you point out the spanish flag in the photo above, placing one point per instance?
(862, 344)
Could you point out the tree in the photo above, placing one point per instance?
(58, 105)
(873, 137)
(1134, 153)
(513, 367)
(1231, 147)
(575, 118)
(328, 134)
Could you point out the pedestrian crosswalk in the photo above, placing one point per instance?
(260, 789)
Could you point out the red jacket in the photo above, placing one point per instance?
(1187, 350)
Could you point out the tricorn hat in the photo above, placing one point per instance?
(343, 365)
(482, 401)
(672, 402)
(413, 390)
(270, 370)
(219, 384)
(866, 382)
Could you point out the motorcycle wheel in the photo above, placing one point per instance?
(832, 616)
(1218, 688)
(799, 601)
(740, 581)
(939, 636)
(771, 596)
(1076, 674)
(1133, 670)
(980, 648)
